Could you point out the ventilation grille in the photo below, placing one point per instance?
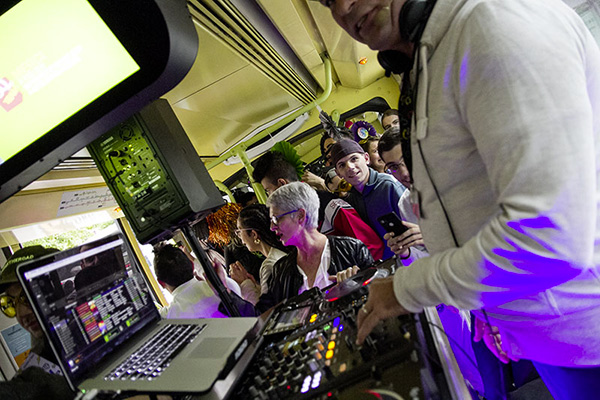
(76, 163)
(226, 22)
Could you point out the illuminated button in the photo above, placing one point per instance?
(316, 380)
(306, 384)
(333, 337)
(336, 321)
(331, 345)
(313, 318)
(343, 367)
(329, 354)
(320, 346)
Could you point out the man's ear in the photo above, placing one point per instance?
(367, 158)
(161, 283)
(281, 182)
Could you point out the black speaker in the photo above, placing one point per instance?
(411, 21)
(154, 173)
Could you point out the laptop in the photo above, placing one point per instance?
(96, 310)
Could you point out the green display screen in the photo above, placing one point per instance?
(56, 57)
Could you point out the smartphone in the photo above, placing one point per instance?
(391, 222)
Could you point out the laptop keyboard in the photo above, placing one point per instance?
(150, 360)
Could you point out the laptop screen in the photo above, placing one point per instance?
(90, 299)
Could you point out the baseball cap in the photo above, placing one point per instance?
(8, 275)
(344, 147)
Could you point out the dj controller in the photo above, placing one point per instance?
(309, 351)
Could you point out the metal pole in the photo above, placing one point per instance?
(258, 189)
(210, 273)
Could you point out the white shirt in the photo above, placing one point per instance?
(322, 278)
(193, 299)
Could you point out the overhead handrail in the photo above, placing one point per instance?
(284, 121)
(240, 149)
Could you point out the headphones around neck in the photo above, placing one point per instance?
(412, 20)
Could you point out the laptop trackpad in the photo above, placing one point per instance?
(213, 348)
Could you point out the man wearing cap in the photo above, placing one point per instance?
(380, 192)
(32, 382)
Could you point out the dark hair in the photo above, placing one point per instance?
(256, 217)
(367, 142)
(273, 166)
(201, 229)
(243, 198)
(390, 139)
(341, 133)
(389, 112)
(172, 266)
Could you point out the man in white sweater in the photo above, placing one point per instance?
(505, 150)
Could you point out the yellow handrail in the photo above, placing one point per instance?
(240, 149)
(221, 186)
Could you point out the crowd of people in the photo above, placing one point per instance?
(495, 180)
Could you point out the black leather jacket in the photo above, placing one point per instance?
(286, 280)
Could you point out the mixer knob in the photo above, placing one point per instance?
(298, 363)
(259, 395)
(259, 380)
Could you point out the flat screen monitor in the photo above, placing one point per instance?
(72, 69)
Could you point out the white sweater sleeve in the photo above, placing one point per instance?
(530, 98)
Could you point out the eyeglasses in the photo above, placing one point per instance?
(275, 218)
(238, 231)
(393, 167)
(8, 303)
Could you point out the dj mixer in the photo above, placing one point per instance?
(309, 351)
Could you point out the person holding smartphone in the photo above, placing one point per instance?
(407, 245)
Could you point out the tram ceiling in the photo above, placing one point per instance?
(258, 60)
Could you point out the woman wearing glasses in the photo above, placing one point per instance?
(316, 260)
(253, 229)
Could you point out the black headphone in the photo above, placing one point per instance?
(412, 20)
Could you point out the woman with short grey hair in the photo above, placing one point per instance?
(316, 260)
(297, 195)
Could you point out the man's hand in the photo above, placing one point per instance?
(315, 181)
(345, 274)
(492, 339)
(382, 304)
(400, 245)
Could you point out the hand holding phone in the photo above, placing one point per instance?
(391, 222)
